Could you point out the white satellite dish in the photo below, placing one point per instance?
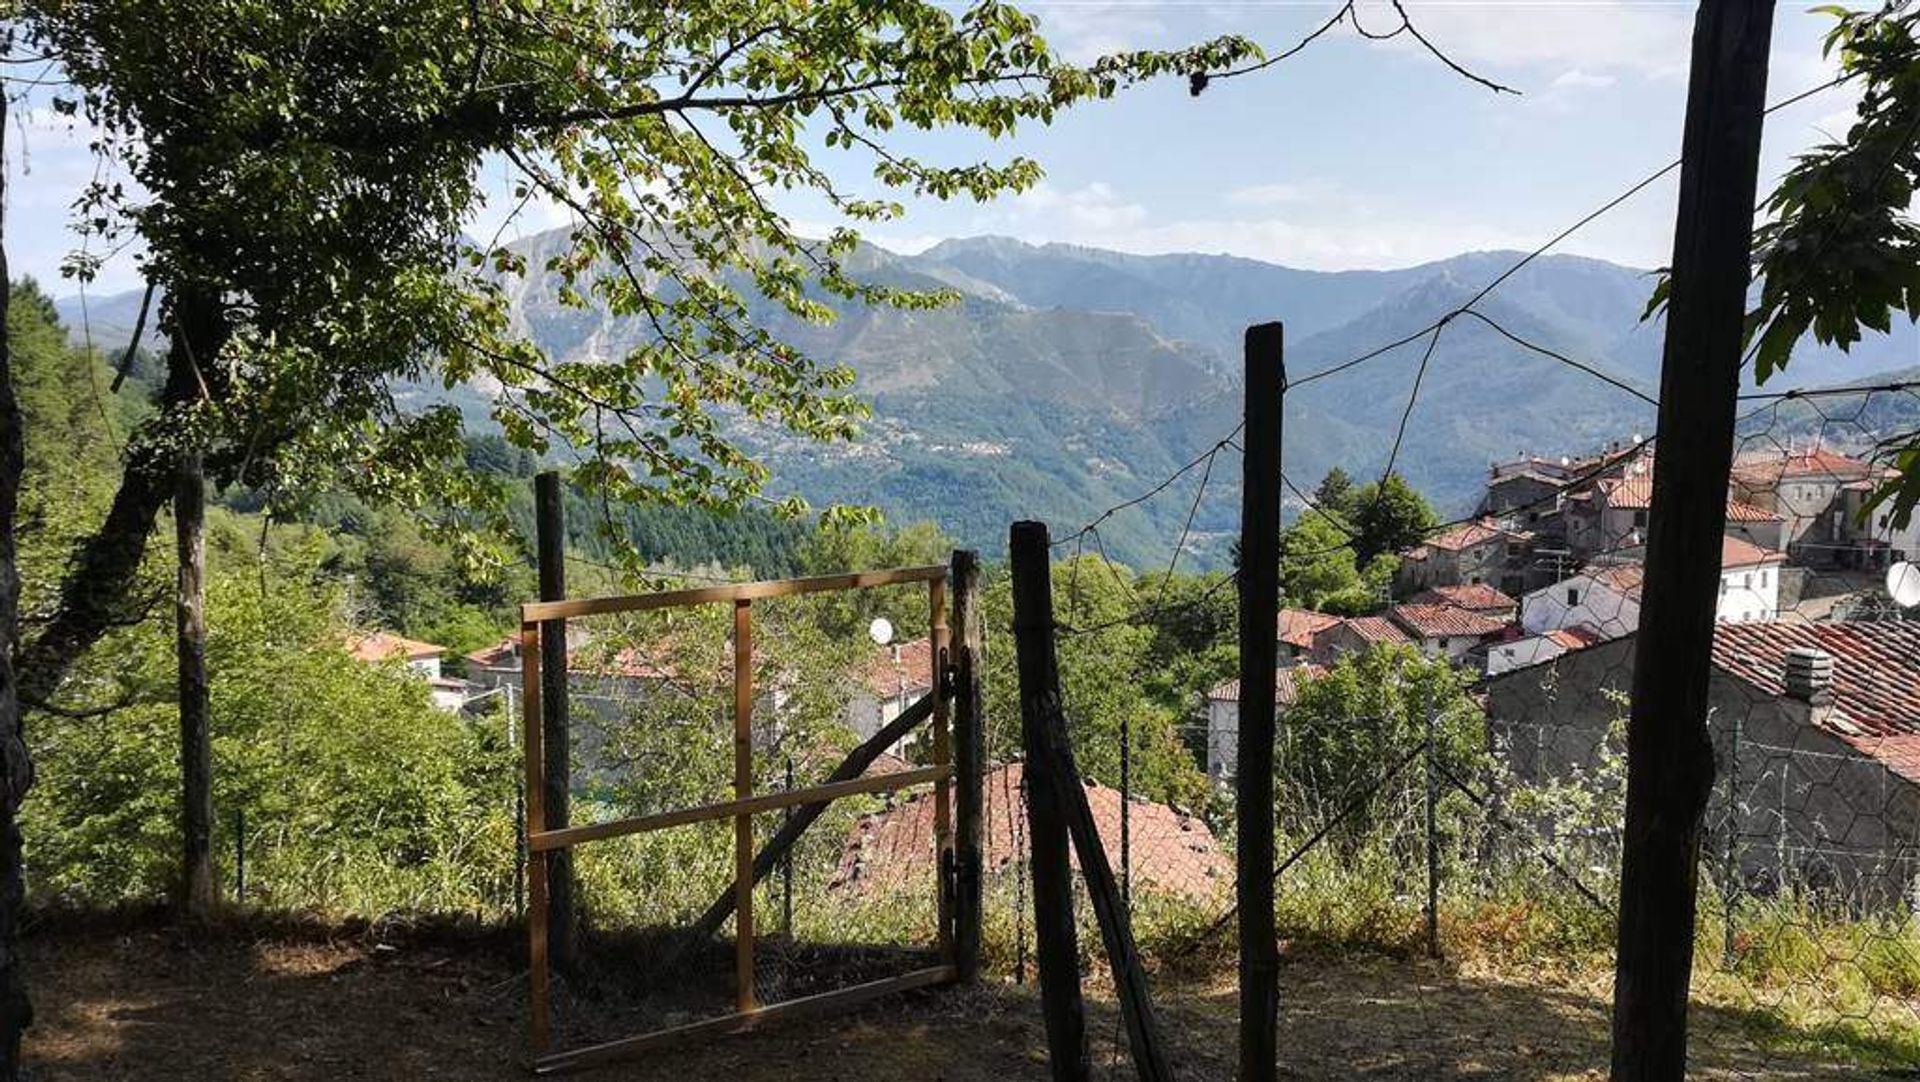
(881, 630)
(1903, 583)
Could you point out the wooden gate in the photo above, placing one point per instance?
(958, 907)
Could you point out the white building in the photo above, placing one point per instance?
(1223, 715)
(1607, 598)
(420, 658)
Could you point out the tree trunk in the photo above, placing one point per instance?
(16, 768)
(101, 589)
(1669, 754)
(197, 895)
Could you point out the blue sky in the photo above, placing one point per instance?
(1353, 154)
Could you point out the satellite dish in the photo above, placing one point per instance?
(1903, 583)
(881, 630)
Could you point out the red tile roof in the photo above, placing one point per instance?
(906, 665)
(1467, 535)
(1445, 621)
(381, 645)
(1766, 467)
(503, 654)
(1286, 685)
(1620, 578)
(1475, 597)
(1375, 629)
(1298, 626)
(1577, 637)
(1636, 494)
(1876, 667)
(1173, 852)
(632, 661)
(1735, 553)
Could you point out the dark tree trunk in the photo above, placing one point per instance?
(197, 894)
(101, 589)
(1669, 754)
(16, 768)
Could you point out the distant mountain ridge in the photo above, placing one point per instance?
(1067, 378)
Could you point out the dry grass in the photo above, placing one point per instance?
(138, 999)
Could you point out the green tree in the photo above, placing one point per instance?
(1346, 728)
(1838, 251)
(302, 175)
(1320, 570)
(1334, 493)
(1388, 516)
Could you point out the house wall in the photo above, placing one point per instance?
(1749, 595)
(1579, 600)
(1223, 737)
(1808, 809)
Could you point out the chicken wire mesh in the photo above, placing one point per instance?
(1451, 770)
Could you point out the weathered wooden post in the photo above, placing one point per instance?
(1433, 834)
(555, 719)
(1266, 383)
(1057, 944)
(968, 668)
(198, 894)
(1669, 754)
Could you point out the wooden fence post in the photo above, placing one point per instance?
(1266, 383)
(555, 719)
(1669, 754)
(969, 757)
(1057, 944)
(198, 895)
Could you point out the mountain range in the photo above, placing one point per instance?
(1068, 379)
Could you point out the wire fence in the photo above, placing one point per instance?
(1451, 765)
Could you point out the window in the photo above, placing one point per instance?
(1573, 595)
(1639, 520)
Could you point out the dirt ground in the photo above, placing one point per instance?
(139, 1000)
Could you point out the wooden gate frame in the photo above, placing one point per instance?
(741, 809)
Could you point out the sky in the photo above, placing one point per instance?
(1354, 154)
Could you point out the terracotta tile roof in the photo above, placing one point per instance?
(1766, 467)
(1474, 597)
(1467, 535)
(1577, 637)
(1636, 494)
(1735, 553)
(382, 645)
(911, 669)
(1445, 621)
(1620, 578)
(1298, 626)
(504, 654)
(1876, 667)
(1173, 852)
(633, 662)
(1286, 685)
(1376, 629)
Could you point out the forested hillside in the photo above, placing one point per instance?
(1064, 379)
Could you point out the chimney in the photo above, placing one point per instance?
(1809, 676)
(895, 651)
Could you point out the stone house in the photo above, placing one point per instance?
(1816, 730)
(1804, 487)
(1483, 551)
(1355, 634)
(1445, 631)
(896, 677)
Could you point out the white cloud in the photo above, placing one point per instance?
(1267, 195)
(1577, 80)
(1650, 39)
(1342, 231)
(1093, 207)
(1085, 31)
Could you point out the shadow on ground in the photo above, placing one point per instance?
(140, 1000)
